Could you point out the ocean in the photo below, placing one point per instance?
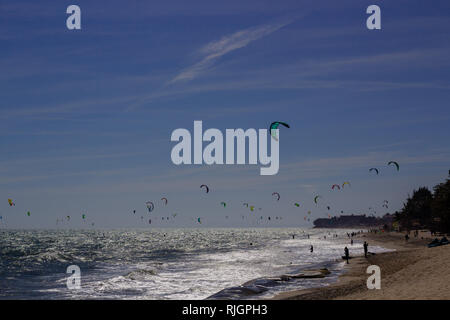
(168, 263)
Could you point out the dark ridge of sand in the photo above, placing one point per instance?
(414, 271)
(260, 285)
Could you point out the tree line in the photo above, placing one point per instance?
(426, 209)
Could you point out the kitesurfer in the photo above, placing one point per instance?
(347, 255)
(366, 247)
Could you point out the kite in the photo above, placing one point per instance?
(296, 204)
(335, 185)
(11, 203)
(316, 198)
(277, 194)
(252, 208)
(165, 200)
(150, 206)
(223, 204)
(345, 184)
(274, 126)
(28, 213)
(374, 169)
(394, 163)
(206, 187)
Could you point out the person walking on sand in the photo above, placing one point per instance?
(351, 242)
(347, 255)
(311, 249)
(366, 247)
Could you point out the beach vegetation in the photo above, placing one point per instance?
(441, 207)
(427, 210)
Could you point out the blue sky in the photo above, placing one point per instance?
(87, 115)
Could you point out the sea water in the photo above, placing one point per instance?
(167, 263)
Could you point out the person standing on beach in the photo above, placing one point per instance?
(351, 242)
(366, 247)
(311, 249)
(347, 255)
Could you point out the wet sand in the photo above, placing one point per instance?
(413, 271)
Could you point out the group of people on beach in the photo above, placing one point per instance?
(347, 253)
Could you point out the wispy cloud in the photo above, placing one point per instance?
(303, 74)
(216, 49)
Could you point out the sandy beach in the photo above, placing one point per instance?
(412, 272)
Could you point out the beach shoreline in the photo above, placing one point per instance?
(412, 271)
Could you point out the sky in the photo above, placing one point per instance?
(87, 115)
